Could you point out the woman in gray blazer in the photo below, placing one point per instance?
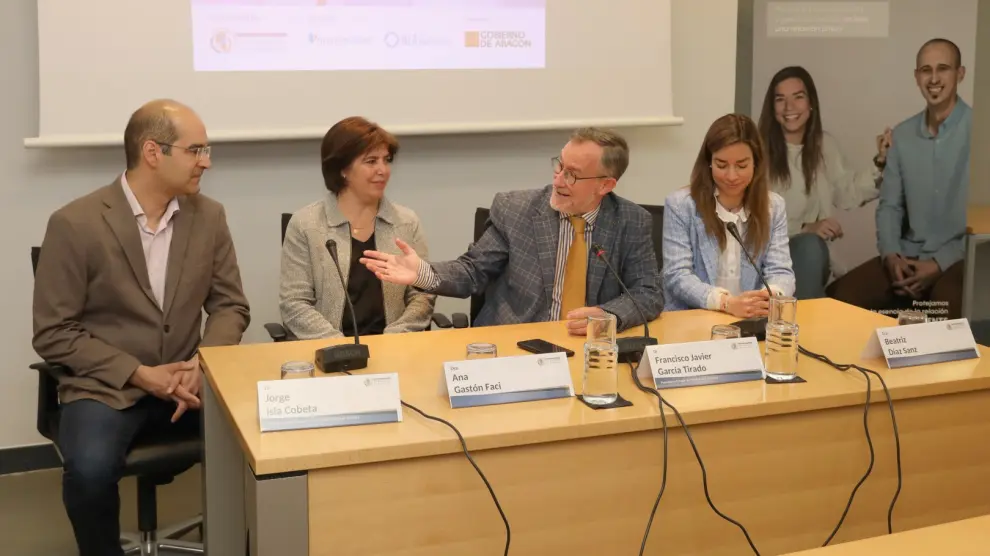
(356, 159)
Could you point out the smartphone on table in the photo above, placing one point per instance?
(543, 346)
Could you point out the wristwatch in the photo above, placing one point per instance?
(877, 163)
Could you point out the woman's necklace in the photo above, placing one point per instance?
(363, 225)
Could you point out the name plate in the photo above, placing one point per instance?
(702, 363)
(923, 344)
(334, 401)
(500, 380)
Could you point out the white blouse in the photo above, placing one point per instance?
(727, 281)
(836, 186)
(728, 278)
(730, 259)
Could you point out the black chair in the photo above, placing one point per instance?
(153, 461)
(481, 223)
(279, 333)
(276, 330)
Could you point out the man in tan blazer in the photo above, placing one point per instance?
(123, 278)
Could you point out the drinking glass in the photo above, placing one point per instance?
(481, 351)
(783, 308)
(781, 350)
(297, 369)
(911, 317)
(725, 332)
(601, 361)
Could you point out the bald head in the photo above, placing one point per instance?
(939, 43)
(155, 121)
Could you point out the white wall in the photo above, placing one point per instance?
(865, 85)
(442, 178)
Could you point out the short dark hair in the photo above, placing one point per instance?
(938, 40)
(151, 122)
(345, 141)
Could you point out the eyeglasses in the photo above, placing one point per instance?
(569, 177)
(201, 152)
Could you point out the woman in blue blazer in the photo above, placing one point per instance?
(704, 267)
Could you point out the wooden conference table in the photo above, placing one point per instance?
(782, 459)
(967, 537)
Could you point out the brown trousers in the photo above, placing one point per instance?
(869, 286)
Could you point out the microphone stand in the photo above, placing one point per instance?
(344, 357)
(753, 326)
(630, 349)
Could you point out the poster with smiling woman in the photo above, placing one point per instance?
(865, 111)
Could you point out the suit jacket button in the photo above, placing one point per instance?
(167, 328)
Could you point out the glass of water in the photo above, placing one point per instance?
(725, 332)
(781, 350)
(783, 308)
(601, 361)
(911, 317)
(481, 351)
(297, 369)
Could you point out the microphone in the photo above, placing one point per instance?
(630, 349)
(345, 357)
(753, 326)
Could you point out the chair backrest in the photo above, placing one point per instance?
(656, 211)
(481, 223)
(286, 216)
(47, 385)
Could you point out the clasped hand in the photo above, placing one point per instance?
(577, 320)
(827, 229)
(910, 277)
(179, 382)
(755, 303)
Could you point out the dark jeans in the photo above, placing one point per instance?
(869, 286)
(811, 264)
(94, 439)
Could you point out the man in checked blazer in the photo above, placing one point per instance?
(523, 262)
(124, 276)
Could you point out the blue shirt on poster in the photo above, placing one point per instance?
(922, 209)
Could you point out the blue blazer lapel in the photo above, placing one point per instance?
(708, 246)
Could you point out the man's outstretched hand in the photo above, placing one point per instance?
(398, 269)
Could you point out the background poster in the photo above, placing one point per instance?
(861, 56)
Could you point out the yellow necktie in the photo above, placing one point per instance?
(575, 271)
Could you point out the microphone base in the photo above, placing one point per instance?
(755, 327)
(631, 349)
(345, 357)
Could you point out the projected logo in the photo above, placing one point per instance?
(222, 42)
(497, 39)
(317, 39)
(393, 39)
